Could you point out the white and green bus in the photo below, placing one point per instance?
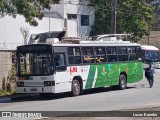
(74, 67)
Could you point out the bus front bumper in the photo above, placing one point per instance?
(46, 89)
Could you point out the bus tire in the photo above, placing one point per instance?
(122, 82)
(76, 88)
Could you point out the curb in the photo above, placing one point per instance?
(4, 100)
(9, 98)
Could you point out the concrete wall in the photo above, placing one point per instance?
(75, 8)
(154, 39)
(5, 65)
(80, 10)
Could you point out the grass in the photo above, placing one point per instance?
(4, 92)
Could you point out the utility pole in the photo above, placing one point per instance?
(148, 39)
(113, 17)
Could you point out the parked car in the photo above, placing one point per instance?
(156, 65)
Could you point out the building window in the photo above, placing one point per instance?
(71, 16)
(84, 20)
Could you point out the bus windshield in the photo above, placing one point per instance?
(151, 55)
(35, 63)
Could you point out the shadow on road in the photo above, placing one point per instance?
(37, 97)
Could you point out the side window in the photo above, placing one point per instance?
(132, 53)
(74, 56)
(111, 54)
(122, 53)
(87, 55)
(100, 55)
(60, 59)
(139, 53)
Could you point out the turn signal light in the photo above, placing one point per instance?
(22, 78)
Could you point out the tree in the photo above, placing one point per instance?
(30, 9)
(156, 12)
(134, 17)
(25, 33)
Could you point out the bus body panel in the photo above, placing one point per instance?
(35, 84)
(44, 89)
(93, 76)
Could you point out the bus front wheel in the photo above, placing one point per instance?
(122, 82)
(75, 88)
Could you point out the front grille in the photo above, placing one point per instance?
(27, 84)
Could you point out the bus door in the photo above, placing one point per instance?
(62, 76)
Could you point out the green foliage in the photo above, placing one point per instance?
(30, 9)
(3, 93)
(156, 12)
(134, 17)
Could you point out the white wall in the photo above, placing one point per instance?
(11, 36)
(75, 8)
(80, 10)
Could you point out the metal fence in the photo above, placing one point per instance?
(9, 46)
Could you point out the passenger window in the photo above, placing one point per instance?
(88, 55)
(74, 56)
(111, 54)
(100, 55)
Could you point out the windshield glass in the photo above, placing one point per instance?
(35, 63)
(151, 56)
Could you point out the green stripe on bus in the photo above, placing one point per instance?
(91, 76)
(101, 75)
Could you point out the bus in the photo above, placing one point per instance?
(150, 54)
(70, 66)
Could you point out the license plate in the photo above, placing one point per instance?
(33, 89)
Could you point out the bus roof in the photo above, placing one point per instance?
(112, 41)
(149, 47)
(98, 44)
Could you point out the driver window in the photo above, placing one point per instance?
(60, 59)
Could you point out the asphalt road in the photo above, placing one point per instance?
(138, 95)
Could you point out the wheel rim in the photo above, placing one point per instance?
(123, 83)
(76, 88)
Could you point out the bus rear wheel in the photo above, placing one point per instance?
(76, 88)
(122, 82)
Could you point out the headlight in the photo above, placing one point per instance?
(49, 83)
(20, 84)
